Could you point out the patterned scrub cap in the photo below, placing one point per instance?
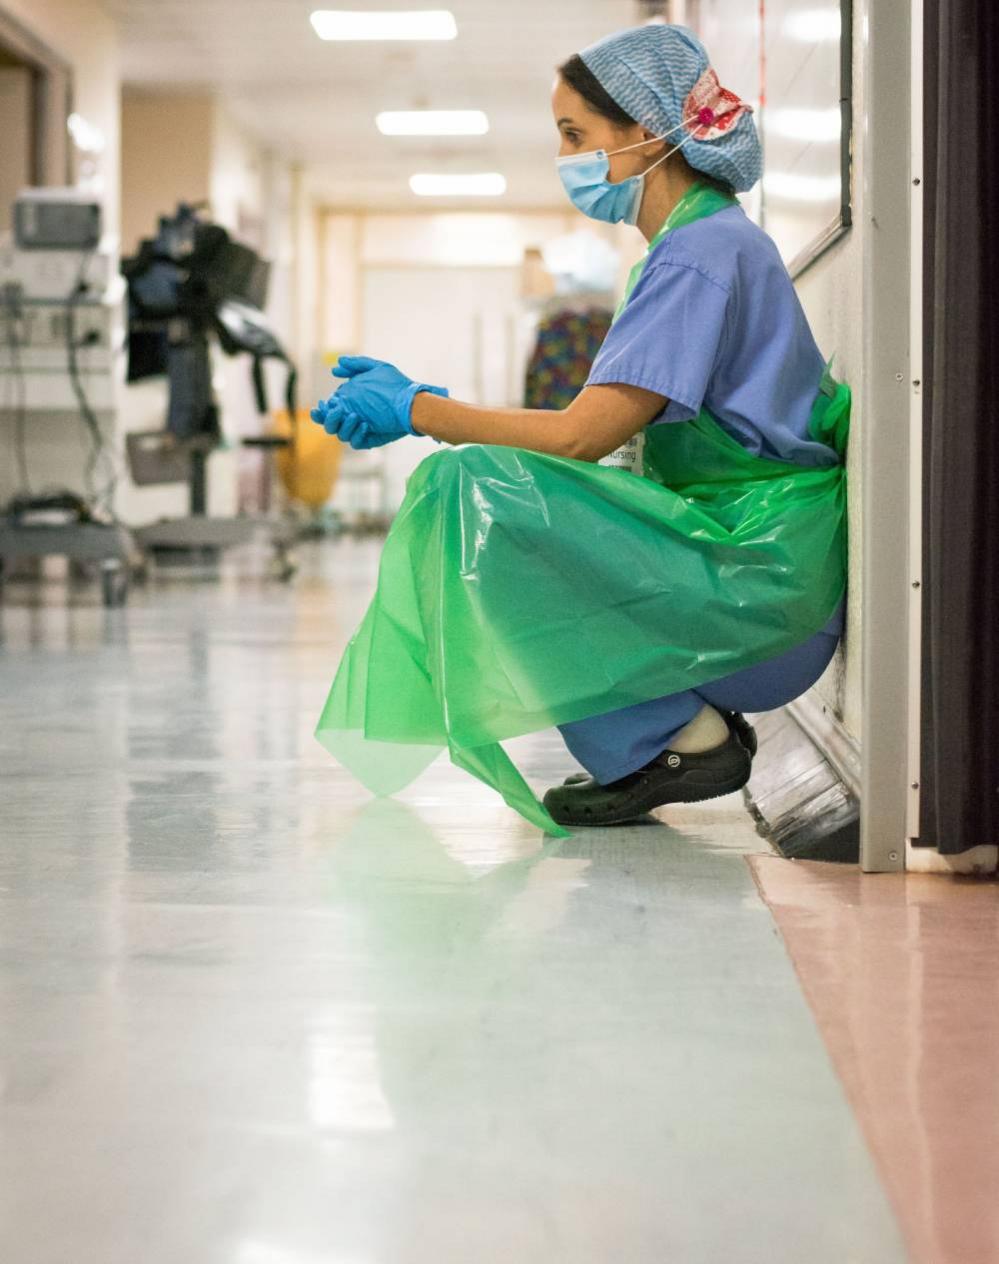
(661, 76)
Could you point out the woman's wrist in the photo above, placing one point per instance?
(420, 412)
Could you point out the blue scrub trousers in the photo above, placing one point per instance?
(613, 745)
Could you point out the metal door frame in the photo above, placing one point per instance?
(891, 428)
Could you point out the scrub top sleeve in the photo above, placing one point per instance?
(668, 339)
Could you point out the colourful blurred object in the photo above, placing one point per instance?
(567, 344)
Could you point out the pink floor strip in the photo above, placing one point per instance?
(902, 974)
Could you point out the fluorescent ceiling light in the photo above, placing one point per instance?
(346, 24)
(488, 184)
(432, 123)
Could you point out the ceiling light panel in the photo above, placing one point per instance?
(348, 24)
(432, 123)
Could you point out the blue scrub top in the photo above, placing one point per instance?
(715, 323)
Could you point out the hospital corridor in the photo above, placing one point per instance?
(499, 632)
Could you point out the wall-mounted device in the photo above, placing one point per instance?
(56, 219)
(62, 317)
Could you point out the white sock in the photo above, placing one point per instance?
(705, 732)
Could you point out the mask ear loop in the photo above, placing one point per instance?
(652, 139)
(676, 149)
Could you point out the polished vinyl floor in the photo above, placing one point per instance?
(249, 1015)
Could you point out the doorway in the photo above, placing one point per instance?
(35, 103)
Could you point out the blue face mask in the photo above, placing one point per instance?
(584, 178)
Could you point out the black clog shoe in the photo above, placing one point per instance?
(669, 778)
(737, 724)
(744, 731)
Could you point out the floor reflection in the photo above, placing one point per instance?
(251, 1015)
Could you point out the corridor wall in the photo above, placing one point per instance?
(83, 35)
(831, 291)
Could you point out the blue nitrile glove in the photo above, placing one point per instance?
(373, 406)
(338, 419)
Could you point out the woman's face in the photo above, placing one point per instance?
(581, 129)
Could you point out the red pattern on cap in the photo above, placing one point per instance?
(711, 109)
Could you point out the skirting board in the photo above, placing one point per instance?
(978, 862)
(801, 791)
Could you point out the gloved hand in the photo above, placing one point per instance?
(374, 405)
(340, 420)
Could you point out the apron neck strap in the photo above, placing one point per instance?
(700, 201)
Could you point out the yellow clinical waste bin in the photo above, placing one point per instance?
(308, 469)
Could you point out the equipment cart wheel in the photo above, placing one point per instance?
(284, 565)
(114, 583)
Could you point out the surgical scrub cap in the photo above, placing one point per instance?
(661, 76)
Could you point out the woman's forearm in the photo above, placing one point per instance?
(598, 420)
(539, 429)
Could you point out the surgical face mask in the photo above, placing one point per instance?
(585, 180)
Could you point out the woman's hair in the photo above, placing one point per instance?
(581, 78)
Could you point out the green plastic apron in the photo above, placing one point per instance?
(517, 591)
